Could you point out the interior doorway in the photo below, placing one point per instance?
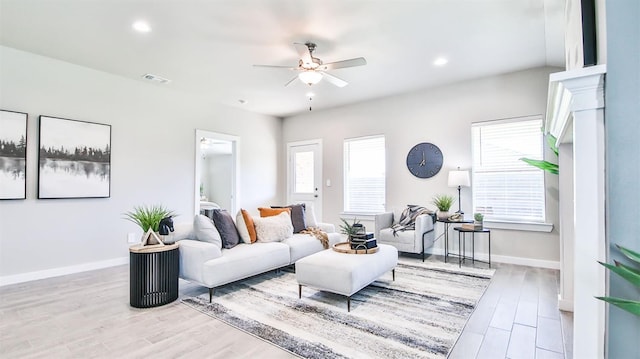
(217, 166)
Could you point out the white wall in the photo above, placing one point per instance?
(152, 160)
(442, 116)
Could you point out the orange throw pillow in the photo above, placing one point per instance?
(268, 212)
(246, 227)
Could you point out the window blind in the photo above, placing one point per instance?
(364, 174)
(505, 188)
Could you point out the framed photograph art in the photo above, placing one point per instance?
(13, 155)
(74, 160)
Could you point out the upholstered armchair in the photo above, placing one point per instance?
(411, 241)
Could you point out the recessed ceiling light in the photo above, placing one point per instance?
(440, 61)
(156, 78)
(141, 26)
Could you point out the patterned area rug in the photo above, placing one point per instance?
(419, 315)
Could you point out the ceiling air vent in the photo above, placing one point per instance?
(155, 78)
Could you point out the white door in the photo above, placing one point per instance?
(304, 174)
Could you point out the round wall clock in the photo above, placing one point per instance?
(424, 160)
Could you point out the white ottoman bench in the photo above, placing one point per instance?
(344, 273)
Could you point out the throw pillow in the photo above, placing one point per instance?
(274, 228)
(246, 227)
(268, 212)
(310, 216)
(226, 227)
(297, 216)
(204, 230)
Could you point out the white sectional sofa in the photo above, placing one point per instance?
(210, 266)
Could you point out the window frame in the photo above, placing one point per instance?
(511, 223)
(345, 169)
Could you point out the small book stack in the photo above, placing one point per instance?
(471, 226)
(363, 241)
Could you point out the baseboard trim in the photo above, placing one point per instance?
(56, 272)
(529, 262)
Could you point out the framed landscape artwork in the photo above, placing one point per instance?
(74, 159)
(13, 155)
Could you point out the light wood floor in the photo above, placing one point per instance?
(87, 315)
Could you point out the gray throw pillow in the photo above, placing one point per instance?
(297, 216)
(205, 231)
(226, 228)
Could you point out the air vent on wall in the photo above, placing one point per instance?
(155, 78)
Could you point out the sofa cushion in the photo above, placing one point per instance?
(226, 227)
(297, 216)
(244, 260)
(310, 216)
(204, 230)
(274, 228)
(302, 245)
(269, 212)
(246, 227)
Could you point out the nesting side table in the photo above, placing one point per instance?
(153, 275)
(462, 232)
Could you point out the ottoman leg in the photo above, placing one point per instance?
(299, 291)
(348, 303)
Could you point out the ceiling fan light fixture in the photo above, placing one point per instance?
(310, 77)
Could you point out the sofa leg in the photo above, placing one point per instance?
(299, 291)
(393, 272)
(210, 294)
(349, 304)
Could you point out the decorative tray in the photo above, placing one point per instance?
(345, 247)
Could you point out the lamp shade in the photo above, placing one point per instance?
(459, 178)
(310, 77)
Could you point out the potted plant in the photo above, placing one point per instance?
(350, 228)
(631, 274)
(443, 203)
(478, 219)
(149, 218)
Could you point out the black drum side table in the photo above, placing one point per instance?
(153, 275)
(461, 239)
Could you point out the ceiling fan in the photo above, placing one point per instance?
(311, 69)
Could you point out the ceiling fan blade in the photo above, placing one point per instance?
(290, 81)
(303, 51)
(358, 61)
(277, 67)
(334, 80)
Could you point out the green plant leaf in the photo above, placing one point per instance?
(148, 216)
(623, 271)
(347, 228)
(634, 256)
(630, 306)
(551, 141)
(443, 202)
(629, 268)
(543, 165)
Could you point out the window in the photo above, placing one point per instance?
(505, 188)
(364, 175)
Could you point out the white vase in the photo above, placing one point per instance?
(442, 215)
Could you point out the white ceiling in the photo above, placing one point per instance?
(209, 47)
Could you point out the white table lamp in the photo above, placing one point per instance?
(459, 179)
